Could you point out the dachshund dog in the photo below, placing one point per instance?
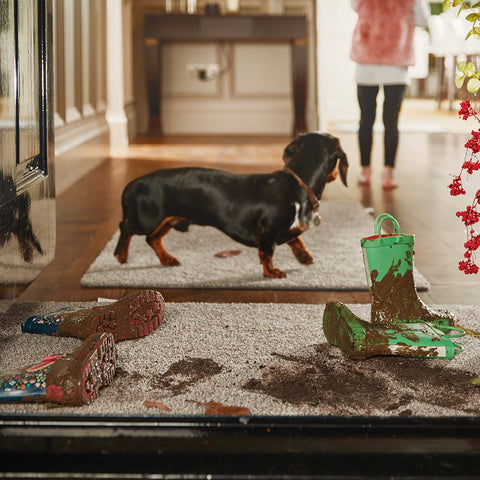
(257, 210)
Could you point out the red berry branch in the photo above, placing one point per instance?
(470, 216)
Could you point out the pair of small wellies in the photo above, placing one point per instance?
(401, 324)
(74, 379)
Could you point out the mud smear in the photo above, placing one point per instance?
(216, 408)
(186, 372)
(395, 297)
(357, 388)
(228, 253)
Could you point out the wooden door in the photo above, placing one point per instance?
(27, 207)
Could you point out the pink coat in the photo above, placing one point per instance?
(384, 33)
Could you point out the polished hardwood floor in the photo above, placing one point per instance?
(88, 212)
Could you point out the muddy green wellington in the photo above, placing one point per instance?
(359, 339)
(389, 261)
(72, 380)
(133, 316)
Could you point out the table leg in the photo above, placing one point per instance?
(299, 72)
(153, 62)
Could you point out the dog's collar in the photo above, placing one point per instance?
(313, 198)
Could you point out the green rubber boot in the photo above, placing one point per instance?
(389, 266)
(359, 340)
(72, 379)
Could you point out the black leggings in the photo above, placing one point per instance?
(367, 100)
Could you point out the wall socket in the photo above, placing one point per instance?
(203, 71)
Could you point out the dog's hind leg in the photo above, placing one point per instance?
(155, 240)
(300, 251)
(121, 251)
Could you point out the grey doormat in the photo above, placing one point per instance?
(265, 359)
(335, 245)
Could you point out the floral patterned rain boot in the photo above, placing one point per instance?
(133, 316)
(73, 379)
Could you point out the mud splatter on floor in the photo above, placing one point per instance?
(185, 373)
(383, 382)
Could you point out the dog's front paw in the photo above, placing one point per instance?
(121, 258)
(305, 258)
(274, 273)
(170, 262)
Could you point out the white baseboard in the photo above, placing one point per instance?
(75, 133)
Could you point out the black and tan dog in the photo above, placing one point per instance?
(258, 210)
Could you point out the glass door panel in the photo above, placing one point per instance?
(8, 152)
(28, 80)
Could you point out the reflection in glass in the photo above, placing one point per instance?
(28, 76)
(15, 219)
(7, 87)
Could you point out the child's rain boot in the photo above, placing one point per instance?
(389, 267)
(359, 340)
(133, 316)
(72, 379)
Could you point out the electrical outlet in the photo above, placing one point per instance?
(203, 71)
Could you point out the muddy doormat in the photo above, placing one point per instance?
(259, 359)
(211, 259)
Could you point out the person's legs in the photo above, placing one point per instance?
(367, 101)
(391, 110)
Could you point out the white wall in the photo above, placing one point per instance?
(337, 101)
(254, 97)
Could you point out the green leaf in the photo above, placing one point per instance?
(458, 2)
(459, 79)
(475, 381)
(475, 5)
(476, 32)
(473, 85)
(472, 17)
(469, 34)
(446, 4)
(461, 66)
(469, 69)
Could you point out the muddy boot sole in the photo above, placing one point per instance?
(133, 316)
(77, 378)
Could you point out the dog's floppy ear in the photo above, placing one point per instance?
(341, 159)
(292, 148)
(343, 167)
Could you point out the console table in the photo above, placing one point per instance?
(162, 28)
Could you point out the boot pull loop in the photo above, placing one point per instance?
(458, 348)
(379, 221)
(446, 329)
(380, 216)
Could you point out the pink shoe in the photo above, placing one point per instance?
(388, 182)
(364, 179)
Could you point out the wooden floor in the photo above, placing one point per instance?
(88, 213)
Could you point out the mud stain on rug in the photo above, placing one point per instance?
(186, 372)
(322, 380)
